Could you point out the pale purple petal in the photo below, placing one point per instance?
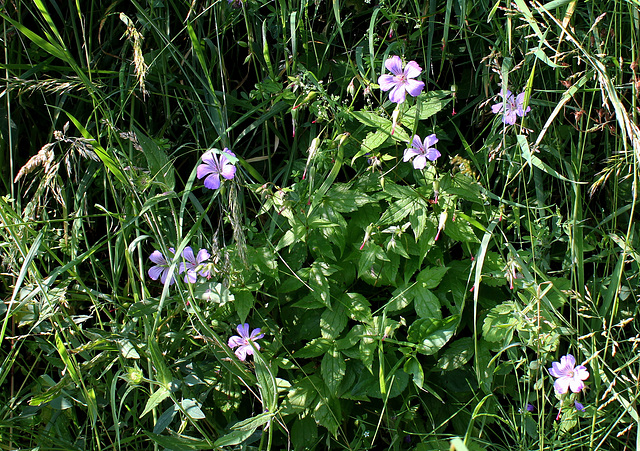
(203, 255)
(414, 87)
(187, 254)
(562, 385)
(243, 330)
(432, 154)
(497, 108)
(212, 181)
(394, 65)
(243, 351)
(420, 162)
(575, 384)
(430, 140)
(155, 272)
(397, 94)
(386, 82)
(417, 143)
(510, 117)
(410, 153)
(228, 171)
(412, 70)
(235, 341)
(157, 258)
(581, 372)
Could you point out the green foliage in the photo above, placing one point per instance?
(402, 308)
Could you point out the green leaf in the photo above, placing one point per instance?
(328, 417)
(332, 322)
(231, 439)
(181, 442)
(156, 398)
(426, 303)
(243, 304)
(456, 355)
(412, 366)
(304, 433)
(315, 348)
(192, 408)
(304, 393)
(429, 103)
(430, 335)
(430, 277)
(333, 368)
(358, 308)
(165, 419)
(501, 322)
(319, 283)
(266, 382)
(161, 167)
(252, 423)
(381, 124)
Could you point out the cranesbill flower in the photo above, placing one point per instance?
(579, 406)
(193, 264)
(401, 82)
(511, 107)
(161, 269)
(569, 376)
(422, 151)
(215, 165)
(244, 341)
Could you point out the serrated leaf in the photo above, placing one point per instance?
(430, 102)
(319, 284)
(430, 335)
(426, 303)
(333, 368)
(304, 433)
(500, 323)
(315, 348)
(357, 306)
(430, 277)
(325, 417)
(304, 393)
(127, 349)
(243, 304)
(332, 322)
(412, 366)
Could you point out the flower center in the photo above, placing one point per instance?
(401, 78)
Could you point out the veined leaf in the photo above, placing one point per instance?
(333, 368)
(430, 335)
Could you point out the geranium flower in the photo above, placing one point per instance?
(513, 107)
(569, 376)
(215, 165)
(422, 151)
(401, 81)
(161, 269)
(579, 406)
(243, 342)
(192, 264)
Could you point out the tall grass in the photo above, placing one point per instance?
(401, 308)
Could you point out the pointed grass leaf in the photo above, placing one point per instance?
(266, 383)
(430, 335)
(181, 442)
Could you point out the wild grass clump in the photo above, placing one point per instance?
(277, 225)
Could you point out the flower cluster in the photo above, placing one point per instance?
(215, 165)
(192, 266)
(245, 342)
(511, 107)
(402, 81)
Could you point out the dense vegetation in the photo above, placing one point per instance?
(426, 208)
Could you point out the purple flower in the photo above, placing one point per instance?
(422, 151)
(214, 165)
(513, 107)
(161, 269)
(569, 376)
(401, 81)
(530, 407)
(579, 406)
(193, 264)
(244, 341)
